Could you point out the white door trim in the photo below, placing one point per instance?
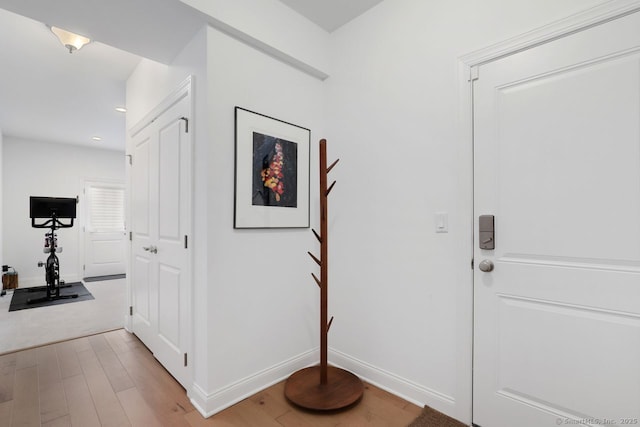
(185, 88)
(605, 12)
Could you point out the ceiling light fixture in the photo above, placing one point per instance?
(96, 138)
(70, 40)
(121, 109)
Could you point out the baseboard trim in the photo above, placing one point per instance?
(209, 404)
(394, 384)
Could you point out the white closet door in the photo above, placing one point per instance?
(104, 231)
(160, 212)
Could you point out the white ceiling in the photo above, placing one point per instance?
(331, 14)
(48, 94)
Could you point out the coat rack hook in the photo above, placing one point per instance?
(317, 280)
(330, 188)
(317, 236)
(332, 165)
(315, 259)
(329, 324)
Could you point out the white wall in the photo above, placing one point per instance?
(272, 26)
(263, 302)
(27, 171)
(402, 294)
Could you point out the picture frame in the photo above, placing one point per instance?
(271, 172)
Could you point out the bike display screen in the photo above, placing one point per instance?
(47, 207)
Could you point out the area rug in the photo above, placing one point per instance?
(432, 418)
(21, 295)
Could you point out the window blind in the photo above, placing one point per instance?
(106, 209)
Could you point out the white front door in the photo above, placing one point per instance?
(104, 229)
(160, 215)
(557, 162)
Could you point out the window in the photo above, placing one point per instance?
(106, 208)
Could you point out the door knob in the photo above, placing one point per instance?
(153, 250)
(486, 265)
(146, 248)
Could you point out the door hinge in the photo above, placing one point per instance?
(77, 199)
(472, 263)
(186, 241)
(130, 158)
(131, 236)
(474, 73)
(130, 310)
(83, 267)
(186, 124)
(185, 359)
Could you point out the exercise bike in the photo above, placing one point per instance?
(50, 211)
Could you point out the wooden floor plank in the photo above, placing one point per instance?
(107, 405)
(126, 341)
(137, 410)
(82, 411)
(81, 344)
(26, 403)
(116, 373)
(414, 410)
(271, 401)
(59, 422)
(7, 376)
(99, 343)
(168, 404)
(252, 414)
(53, 403)
(116, 341)
(220, 420)
(6, 409)
(26, 359)
(68, 359)
(377, 406)
(163, 378)
(301, 419)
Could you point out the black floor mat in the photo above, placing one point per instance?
(21, 295)
(102, 278)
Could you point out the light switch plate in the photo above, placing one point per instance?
(442, 222)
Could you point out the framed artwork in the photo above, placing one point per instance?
(272, 172)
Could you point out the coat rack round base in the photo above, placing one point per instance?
(342, 389)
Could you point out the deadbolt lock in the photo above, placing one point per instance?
(486, 232)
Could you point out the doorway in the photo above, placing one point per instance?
(104, 230)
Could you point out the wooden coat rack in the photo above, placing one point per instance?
(323, 387)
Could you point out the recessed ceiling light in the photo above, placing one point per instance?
(96, 138)
(121, 109)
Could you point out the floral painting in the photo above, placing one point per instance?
(271, 172)
(275, 168)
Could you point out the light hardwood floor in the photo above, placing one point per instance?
(111, 379)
